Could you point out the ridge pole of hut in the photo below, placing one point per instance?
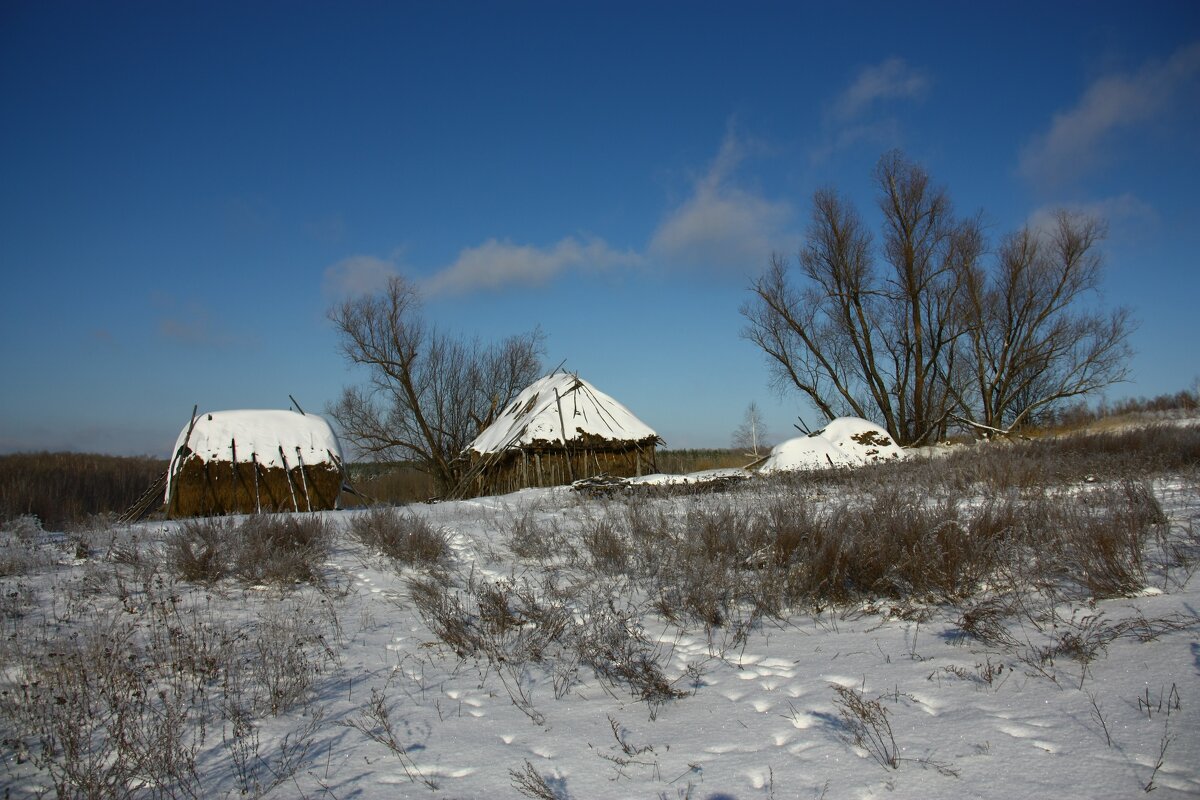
(303, 478)
(563, 425)
(257, 498)
(288, 472)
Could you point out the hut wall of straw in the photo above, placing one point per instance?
(210, 488)
(554, 465)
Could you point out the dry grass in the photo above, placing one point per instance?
(267, 548)
(62, 489)
(916, 532)
(404, 537)
(129, 688)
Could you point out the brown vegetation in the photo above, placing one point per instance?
(61, 489)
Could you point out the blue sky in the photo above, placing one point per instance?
(186, 188)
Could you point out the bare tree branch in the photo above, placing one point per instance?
(428, 394)
(931, 335)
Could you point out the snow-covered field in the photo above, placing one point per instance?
(346, 691)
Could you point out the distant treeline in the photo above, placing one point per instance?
(65, 488)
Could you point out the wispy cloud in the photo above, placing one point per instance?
(357, 275)
(859, 113)
(495, 264)
(1127, 216)
(195, 326)
(720, 224)
(1077, 136)
(893, 79)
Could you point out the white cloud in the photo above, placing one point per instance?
(358, 275)
(1125, 214)
(722, 225)
(892, 79)
(195, 325)
(1076, 136)
(856, 117)
(496, 263)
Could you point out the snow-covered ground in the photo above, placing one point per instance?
(766, 709)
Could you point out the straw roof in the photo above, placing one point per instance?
(271, 438)
(559, 410)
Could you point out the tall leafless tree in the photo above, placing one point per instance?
(931, 335)
(859, 339)
(1033, 345)
(428, 394)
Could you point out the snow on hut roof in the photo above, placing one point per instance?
(216, 436)
(587, 412)
(844, 442)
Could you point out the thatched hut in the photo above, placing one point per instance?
(558, 430)
(241, 462)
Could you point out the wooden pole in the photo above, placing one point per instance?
(304, 479)
(233, 465)
(563, 425)
(288, 471)
(173, 470)
(257, 497)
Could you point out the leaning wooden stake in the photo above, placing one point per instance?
(233, 464)
(257, 498)
(288, 471)
(172, 470)
(303, 479)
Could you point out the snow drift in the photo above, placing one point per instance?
(844, 442)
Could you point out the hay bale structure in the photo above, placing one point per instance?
(558, 430)
(244, 462)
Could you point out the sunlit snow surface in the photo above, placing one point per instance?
(759, 719)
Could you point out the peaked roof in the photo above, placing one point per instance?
(587, 413)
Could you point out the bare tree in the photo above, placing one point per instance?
(930, 335)
(1032, 345)
(874, 343)
(752, 433)
(427, 394)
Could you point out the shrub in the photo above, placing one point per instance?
(280, 548)
(403, 536)
(604, 543)
(20, 546)
(265, 548)
(200, 551)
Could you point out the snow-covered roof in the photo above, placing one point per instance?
(844, 442)
(261, 434)
(587, 412)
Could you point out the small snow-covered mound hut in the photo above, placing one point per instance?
(241, 462)
(558, 430)
(844, 442)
